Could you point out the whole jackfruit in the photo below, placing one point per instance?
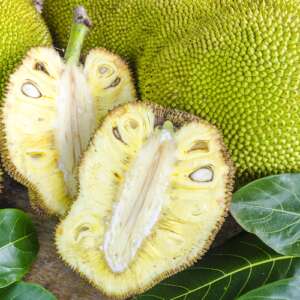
(51, 110)
(21, 28)
(232, 62)
(155, 185)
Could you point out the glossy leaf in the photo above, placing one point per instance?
(287, 289)
(25, 291)
(18, 245)
(242, 264)
(270, 208)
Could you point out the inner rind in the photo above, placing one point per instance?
(140, 200)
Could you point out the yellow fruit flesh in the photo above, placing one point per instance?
(42, 149)
(109, 79)
(28, 115)
(150, 201)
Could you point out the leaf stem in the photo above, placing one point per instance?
(80, 28)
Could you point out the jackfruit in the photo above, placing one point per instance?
(233, 62)
(155, 185)
(50, 112)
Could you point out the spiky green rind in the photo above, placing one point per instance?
(234, 63)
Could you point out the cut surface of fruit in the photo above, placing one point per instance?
(109, 80)
(29, 112)
(155, 185)
(49, 115)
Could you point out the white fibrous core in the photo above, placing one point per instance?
(75, 123)
(140, 200)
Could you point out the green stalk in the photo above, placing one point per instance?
(80, 28)
(168, 125)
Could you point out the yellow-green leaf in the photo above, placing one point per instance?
(18, 245)
(25, 291)
(285, 289)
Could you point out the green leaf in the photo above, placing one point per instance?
(287, 289)
(25, 291)
(242, 264)
(270, 208)
(18, 245)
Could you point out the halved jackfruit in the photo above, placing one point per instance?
(155, 186)
(49, 114)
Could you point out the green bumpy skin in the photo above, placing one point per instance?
(21, 28)
(234, 63)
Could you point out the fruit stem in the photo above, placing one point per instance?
(80, 28)
(168, 125)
